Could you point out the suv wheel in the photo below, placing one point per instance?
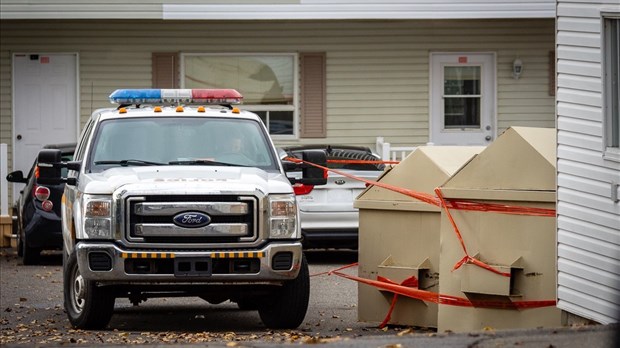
(88, 306)
(286, 307)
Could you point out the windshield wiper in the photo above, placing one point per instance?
(204, 162)
(130, 162)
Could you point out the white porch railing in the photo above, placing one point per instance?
(392, 153)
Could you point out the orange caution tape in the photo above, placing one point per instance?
(440, 201)
(428, 296)
(411, 282)
(498, 208)
(424, 197)
(467, 258)
(430, 199)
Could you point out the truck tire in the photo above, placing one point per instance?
(286, 307)
(88, 306)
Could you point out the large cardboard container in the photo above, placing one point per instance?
(518, 169)
(399, 235)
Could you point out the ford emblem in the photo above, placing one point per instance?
(192, 219)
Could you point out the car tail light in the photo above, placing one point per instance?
(41, 193)
(301, 189)
(47, 205)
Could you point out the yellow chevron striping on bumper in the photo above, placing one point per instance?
(238, 255)
(147, 255)
(219, 255)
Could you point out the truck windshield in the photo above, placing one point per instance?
(180, 141)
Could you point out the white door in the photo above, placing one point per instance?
(462, 98)
(44, 105)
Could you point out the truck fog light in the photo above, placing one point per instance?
(97, 228)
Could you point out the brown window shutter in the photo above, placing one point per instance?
(165, 70)
(313, 119)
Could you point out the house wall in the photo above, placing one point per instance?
(377, 71)
(588, 218)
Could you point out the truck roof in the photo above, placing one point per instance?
(174, 111)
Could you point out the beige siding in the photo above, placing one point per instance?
(377, 71)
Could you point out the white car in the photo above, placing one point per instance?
(327, 216)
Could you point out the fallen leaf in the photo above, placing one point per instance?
(404, 332)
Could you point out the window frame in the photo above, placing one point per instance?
(257, 107)
(610, 152)
(477, 96)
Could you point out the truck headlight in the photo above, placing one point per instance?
(97, 217)
(283, 217)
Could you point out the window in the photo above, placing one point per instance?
(611, 84)
(462, 97)
(266, 81)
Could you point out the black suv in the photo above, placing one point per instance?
(37, 211)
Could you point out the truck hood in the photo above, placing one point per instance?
(185, 180)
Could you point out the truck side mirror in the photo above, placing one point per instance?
(49, 164)
(312, 175)
(16, 176)
(289, 166)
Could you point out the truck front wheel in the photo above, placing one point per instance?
(286, 307)
(88, 306)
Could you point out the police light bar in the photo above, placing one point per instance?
(175, 96)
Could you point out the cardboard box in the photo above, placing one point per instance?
(399, 235)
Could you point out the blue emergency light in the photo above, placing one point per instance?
(175, 96)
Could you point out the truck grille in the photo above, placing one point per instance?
(189, 219)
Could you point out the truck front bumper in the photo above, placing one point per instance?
(110, 264)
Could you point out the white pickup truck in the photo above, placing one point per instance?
(169, 197)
